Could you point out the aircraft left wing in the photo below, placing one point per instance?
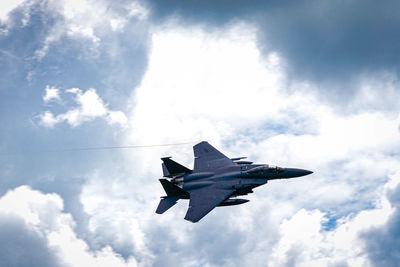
(204, 200)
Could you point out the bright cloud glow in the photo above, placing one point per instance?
(209, 95)
(90, 106)
(214, 84)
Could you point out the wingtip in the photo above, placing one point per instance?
(190, 220)
(201, 142)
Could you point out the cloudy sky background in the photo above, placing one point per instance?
(309, 84)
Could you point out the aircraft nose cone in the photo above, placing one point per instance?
(293, 172)
(307, 172)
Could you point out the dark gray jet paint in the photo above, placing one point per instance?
(216, 180)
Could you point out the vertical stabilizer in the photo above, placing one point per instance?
(172, 168)
(171, 189)
(165, 170)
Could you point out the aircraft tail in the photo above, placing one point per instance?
(174, 193)
(172, 168)
(172, 190)
(166, 203)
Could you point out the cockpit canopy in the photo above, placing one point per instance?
(266, 169)
(273, 168)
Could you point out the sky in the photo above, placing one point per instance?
(307, 84)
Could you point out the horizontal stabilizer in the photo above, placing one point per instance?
(172, 168)
(171, 189)
(166, 204)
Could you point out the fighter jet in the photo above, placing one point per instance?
(215, 181)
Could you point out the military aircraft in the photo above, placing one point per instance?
(215, 181)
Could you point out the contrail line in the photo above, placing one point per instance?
(115, 147)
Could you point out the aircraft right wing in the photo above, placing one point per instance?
(204, 200)
(207, 158)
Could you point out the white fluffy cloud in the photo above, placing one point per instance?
(216, 86)
(221, 89)
(52, 94)
(43, 214)
(304, 242)
(199, 86)
(90, 106)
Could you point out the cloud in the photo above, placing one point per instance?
(50, 238)
(125, 233)
(13, 13)
(240, 90)
(6, 7)
(88, 20)
(47, 119)
(219, 91)
(222, 89)
(382, 241)
(331, 43)
(20, 245)
(117, 117)
(233, 93)
(90, 106)
(52, 94)
(359, 239)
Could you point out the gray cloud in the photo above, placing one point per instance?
(217, 241)
(383, 243)
(324, 40)
(21, 246)
(330, 42)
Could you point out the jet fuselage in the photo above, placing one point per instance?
(215, 180)
(243, 178)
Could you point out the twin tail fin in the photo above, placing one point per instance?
(172, 168)
(174, 193)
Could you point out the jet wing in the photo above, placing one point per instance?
(207, 158)
(204, 200)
